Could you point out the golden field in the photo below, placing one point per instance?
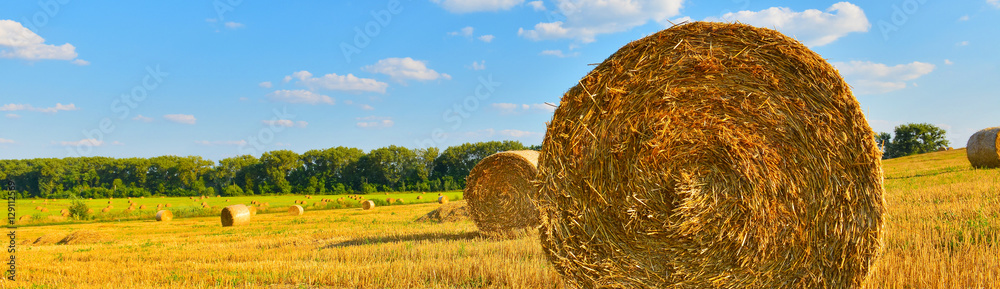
(941, 232)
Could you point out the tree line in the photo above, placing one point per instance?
(911, 139)
(338, 170)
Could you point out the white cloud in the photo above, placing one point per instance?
(234, 25)
(367, 107)
(285, 123)
(995, 3)
(480, 65)
(812, 27)
(466, 6)
(244, 99)
(963, 18)
(585, 19)
(300, 96)
(59, 107)
(513, 108)
(16, 41)
(467, 32)
(13, 116)
(948, 62)
(266, 84)
(874, 78)
(80, 62)
(375, 122)
(557, 53)
(142, 118)
(333, 81)
(963, 43)
(681, 20)
(83, 142)
(7, 141)
(486, 38)
(519, 133)
(181, 118)
(221, 142)
(401, 69)
(537, 5)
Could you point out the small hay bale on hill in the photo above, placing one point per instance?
(711, 155)
(500, 192)
(443, 200)
(235, 215)
(296, 210)
(368, 205)
(983, 148)
(164, 216)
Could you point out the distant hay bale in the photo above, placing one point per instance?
(390, 200)
(83, 237)
(204, 204)
(368, 205)
(400, 201)
(64, 212)
(500, 192)
(227, 200)
(109, 202)
(296, 210)
(164, 216)
(235, 215)
(711, 155)
(983, 148)
(38, 208)
(443, 200)
(24, 218)
(253, 210)
(90, 211)
(44, 210)
(420, 197)
(451, 212)
(168, 205)
(142, 207)
(105, 210)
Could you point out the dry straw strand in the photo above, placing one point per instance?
(711, 155)
(164, 216)
(983, 148)
(500, 192)
(296, 210)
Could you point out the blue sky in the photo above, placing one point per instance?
(224, 78)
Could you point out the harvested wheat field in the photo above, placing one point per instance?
(711, 154)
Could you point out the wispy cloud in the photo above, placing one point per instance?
(16, 41)
(513, 108)
(813, 27)
(586, 19)
(83, 142)
(375, 122)
(13, 116)
(6, 141)
(266, 84)
(874, 78)
(300, 96)
(468, 6)
(402, 69)
(333, 81)
(467, 32)
(27, 107)
(142, 118)
(557, 53)
(480, 65)
(234, 25)
(486, 38)
(181, 118)
(519, 133)
(285, 123)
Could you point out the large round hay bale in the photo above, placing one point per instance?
(296, 210)
(983, 148)
(442, 199)
(164, 216)
(711, 155)
(500, 193)
(368, 205)
(235, 215)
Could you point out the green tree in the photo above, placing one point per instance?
(914, 138)
(79, 209)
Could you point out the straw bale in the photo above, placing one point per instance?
(500, 192)
(983, 148)
(296, 210)
(235, 215)
(164, 216)
(368, 204)
(711, 155)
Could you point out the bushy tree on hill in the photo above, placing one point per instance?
(911, 139)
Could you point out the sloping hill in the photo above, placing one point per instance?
(942, 224)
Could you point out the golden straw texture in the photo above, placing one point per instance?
(711, 155)
(164, 216)
(296, 210)
(983, 148)
(368, 205)
(235, 215)
(500, 192)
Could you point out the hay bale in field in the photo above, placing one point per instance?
(500, 193)
(90, 211)
(48, 239)
(227, 200)
(164, 216)
(400, 201)
(64, 212)
(44, 210)
(296, 210)
(142, 207)
(105, 210)
(38, 208)
(368, 205)
(711, 155)
(204, 204)
(451, 212)
(24, 218)
(235, 215)
(983, 148)
(390, 200)
(420, 197)
(83, 237)
(168, 205)
(109, 202)
(442, 199)
(253, 210)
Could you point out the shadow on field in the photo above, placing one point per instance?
(432, 237)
